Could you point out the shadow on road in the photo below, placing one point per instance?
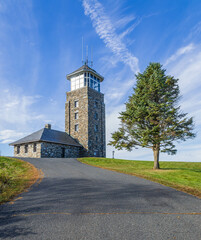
(83, 195)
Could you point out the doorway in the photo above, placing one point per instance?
(63, 152)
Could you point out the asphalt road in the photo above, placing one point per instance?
(76, 201)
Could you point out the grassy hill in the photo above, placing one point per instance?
(183, 176)
(15, 176)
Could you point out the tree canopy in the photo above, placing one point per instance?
(153, 119)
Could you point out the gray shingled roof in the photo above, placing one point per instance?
(48, 135)
(84, 68)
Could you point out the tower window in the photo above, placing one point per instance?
(34, 147)
(96, 139)
(91, 83)
(26, 148)
(96, 128)
(76, 127)
(76, 103)
(77, 81)
(76, 115)
(96, 104)
(18, 149)
(96, 115)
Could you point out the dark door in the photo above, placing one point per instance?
(62, 152)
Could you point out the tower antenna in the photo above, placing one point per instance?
(87, 55)
(91, 57)
(82, 50)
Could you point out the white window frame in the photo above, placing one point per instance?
(76, 127)
(35, 147)
(76, 103)
(76, 115)
(26, 147)
(18, 149)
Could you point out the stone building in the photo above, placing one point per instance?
(47, 143)
(84, 123)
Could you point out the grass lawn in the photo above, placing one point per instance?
(15, 176)
(183, 176)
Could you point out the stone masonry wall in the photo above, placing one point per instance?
(51, 150)
(48, 150)
(82, 134)
(89, 102)
(30, 153)
(96, 107)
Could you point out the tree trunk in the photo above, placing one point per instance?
(156, 151)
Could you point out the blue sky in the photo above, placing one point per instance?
(41, 42)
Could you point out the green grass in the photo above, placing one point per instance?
(183, 176)
(15, 176)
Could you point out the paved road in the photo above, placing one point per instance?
(76, 201)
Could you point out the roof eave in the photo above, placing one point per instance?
(15, 143)
(19, 143)
(48, 141)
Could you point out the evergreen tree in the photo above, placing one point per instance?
(152, 118)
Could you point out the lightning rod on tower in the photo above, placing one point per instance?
(91, 57)
(87, 55)
(82, 50)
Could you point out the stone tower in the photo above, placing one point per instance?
(85, 111)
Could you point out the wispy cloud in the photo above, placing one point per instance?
(18, 114)
(124, 21)
(7, 135)
(16, 108)
(130, 29)
(180, 52)
(187, 69)
(124, 83)
(195, 32)
(106, 31)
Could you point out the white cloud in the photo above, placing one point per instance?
(16, 108)
(106, 31)
(130, 29)
(17, 114)
(112, 124)
(8, 135)
(124, 20)
(195, 32)
(187, 69)
(180, 52)
(120, 83)
(116, 93)
(21, 115)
